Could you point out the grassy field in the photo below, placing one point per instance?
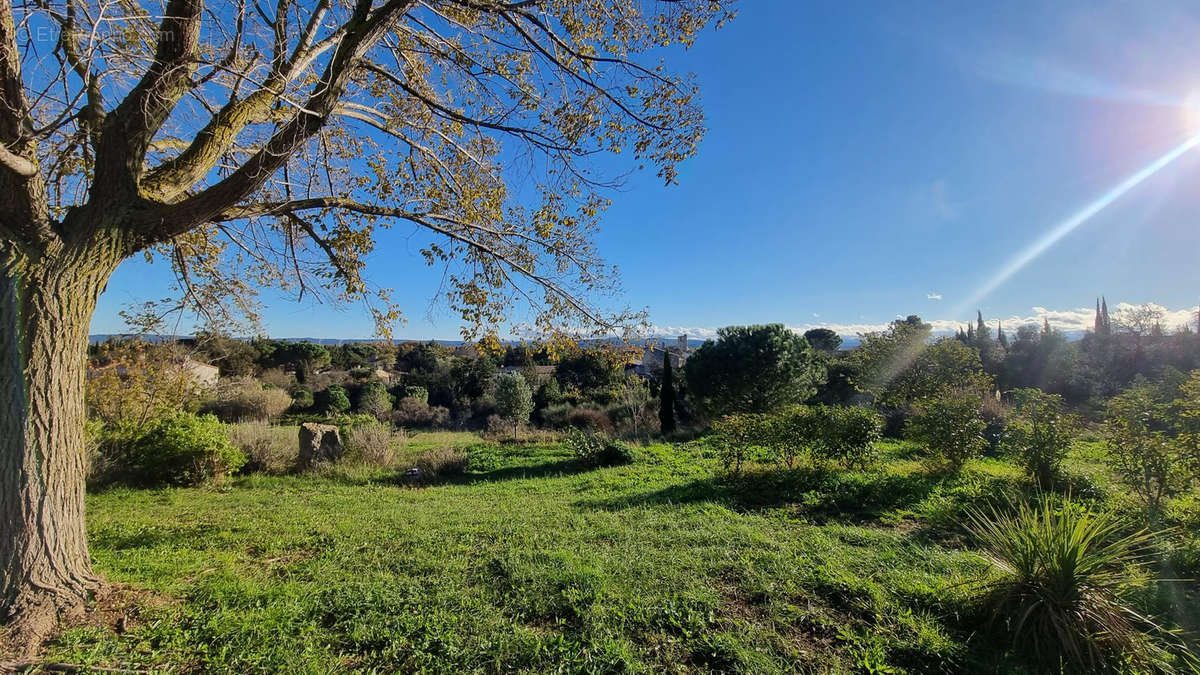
(543, 566)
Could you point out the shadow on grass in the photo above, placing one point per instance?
(397, 477)
(822, 494)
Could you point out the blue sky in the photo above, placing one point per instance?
(867, 160)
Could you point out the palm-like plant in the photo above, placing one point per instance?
(1061, 589)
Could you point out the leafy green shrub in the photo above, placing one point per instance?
(333, 400)
(1140, 448)
(1063, 576)
(791, 433)
(483, 457)
(555, 415)
(847, 435)
(1040, 435)
(374, 400)
(302, 399)
(738, 435)
(950, 426)
(413, 391)
(183, 449)
(596, 449)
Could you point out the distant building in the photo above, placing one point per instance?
(201, 374)
(653, 355)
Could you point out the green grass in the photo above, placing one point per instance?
(542, 566)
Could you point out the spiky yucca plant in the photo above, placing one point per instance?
(1063, 575)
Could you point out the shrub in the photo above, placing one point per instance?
(950, 426)
(589, 419)
(1142, 453)
(498, 426)
(737, 435)
(1040, 435)
(370, 442)
(183, 449)
(442, 462)
(1062, 577)
(247, 399)
(133, 382)
(277, 377)
(555, 416)
(594, 449)
(302, 399)
(268, 449)
(791, 433)
(996, 418)
(412, 412)
(483, 457)
(847, 435)
(333, 400)
(374, 400)
(413, 391)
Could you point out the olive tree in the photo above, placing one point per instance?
(514, 399)
(268, 143)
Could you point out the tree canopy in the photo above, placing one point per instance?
(250, 144)
(752, 369)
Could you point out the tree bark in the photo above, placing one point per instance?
(46, 305)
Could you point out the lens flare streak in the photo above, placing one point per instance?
(1069, 225)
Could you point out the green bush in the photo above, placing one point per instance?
(847, 435)
(596, 449)
(333, 400)
(951, 428)
(183, 449)
(1060, 587)
(790, 433)
(374, 400)
(302, 399)
(483, 457)
(842, 434)
(738, 435)
(1041, 434)
(1141, 448)
(413, 391)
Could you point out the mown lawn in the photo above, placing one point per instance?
(543, 566)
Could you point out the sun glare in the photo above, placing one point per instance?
(1191, 112)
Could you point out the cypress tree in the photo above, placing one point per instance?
(1045, 326)
(1104, 315)
(1000, 336)
(666, 396)
(980, 326)
(1099, 323)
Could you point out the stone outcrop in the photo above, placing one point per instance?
(319, 443)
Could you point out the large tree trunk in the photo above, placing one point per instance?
(46, 305)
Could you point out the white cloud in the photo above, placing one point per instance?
(933, 296)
